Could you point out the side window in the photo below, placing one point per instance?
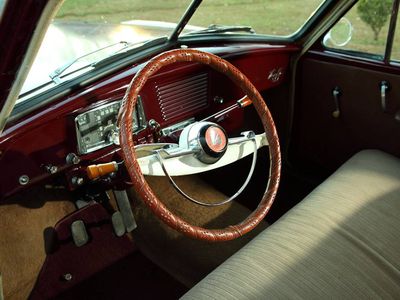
(364, 29)
(396, 43)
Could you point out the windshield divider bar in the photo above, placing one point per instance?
(184, 20)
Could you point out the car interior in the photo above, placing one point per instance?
(204, 162)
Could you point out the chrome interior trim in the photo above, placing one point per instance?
(249, 136)
(176, 127)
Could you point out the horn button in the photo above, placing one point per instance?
(208, 138)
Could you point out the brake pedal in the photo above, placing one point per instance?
(126, 210)
(79, 233)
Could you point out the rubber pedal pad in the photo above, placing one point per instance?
(79, 233)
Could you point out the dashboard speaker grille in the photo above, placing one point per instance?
(182, 96)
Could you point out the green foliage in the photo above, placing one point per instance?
(375, 13)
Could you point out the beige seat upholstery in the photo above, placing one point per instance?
(342, 242)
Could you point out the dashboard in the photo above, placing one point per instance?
(38, 148)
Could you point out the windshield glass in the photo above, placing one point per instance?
(87, 31)
(269, 17)
(82, 27)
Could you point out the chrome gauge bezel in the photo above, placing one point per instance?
(141, 120)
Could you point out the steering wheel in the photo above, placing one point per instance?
(210, 138)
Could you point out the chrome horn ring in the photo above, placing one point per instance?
(209, 149)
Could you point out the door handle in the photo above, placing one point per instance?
(384, 87)
(336, 93)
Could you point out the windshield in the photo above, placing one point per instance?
(87, 31)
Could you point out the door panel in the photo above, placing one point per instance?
(321, 140)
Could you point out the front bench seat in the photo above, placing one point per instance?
(342, 241)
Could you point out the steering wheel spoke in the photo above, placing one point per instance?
(182, 161)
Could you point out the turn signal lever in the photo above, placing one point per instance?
(243, 102)
(97, 171)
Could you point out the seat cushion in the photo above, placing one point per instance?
(341, 241)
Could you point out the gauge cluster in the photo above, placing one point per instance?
(97, 128)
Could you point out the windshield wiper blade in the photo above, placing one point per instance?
(120, 53)
(222, 29)
(55, 75)
(116, 56)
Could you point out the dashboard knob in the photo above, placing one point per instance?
(113, 137)
(72, 159)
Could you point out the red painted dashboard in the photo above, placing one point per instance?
(43, 139)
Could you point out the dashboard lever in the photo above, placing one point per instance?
(245, 101)
(241, 103)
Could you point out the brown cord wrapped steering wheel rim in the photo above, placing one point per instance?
(138, 180)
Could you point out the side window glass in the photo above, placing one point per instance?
(2, 4)
(396, 42)
(364, 29)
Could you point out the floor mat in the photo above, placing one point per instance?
(23, 223)
(186, 259)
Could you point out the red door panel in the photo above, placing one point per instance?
(321, 140)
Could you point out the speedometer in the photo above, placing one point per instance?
(97, 128)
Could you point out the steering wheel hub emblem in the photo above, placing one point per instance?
(215, 139)
(212, 142)
(209, 140)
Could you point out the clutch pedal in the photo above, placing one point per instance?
(79, 233)
(126, 210)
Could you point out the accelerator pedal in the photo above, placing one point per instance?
(125, 209)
